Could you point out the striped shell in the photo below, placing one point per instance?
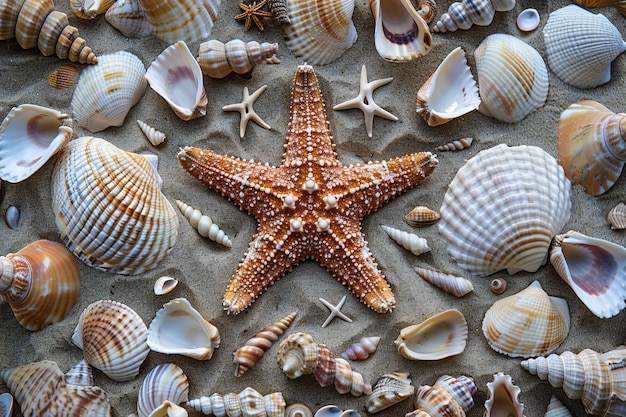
(620, 4)
(89, 9)
(617, 217)
(65, 76)
(389, 390)
(409, 241)
(502, 397)
(248, 403)
(556, 408)
(456, 145)
(362, 349)
(279, 11)
(449, 397)
(124, 225)
(457, 286)
(154, 136)
(422, 216)
(204, 224)
(218, 59)
(497, 285)
(165, 382)
(466, 13)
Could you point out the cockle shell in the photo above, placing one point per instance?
(389, 390)
(457, 286)
(362, 349)
(154, 136)
(113, 222)
(512, 78)
(40, 283)
(503, 208)
(89, 9)
(6, 405)
(165, 382)
(248, 403)
(449, 397)
(617, 217)
(65, 76)
(179, 329)
(176, 76)
(218, 59)
(449, 92)
(113, 339)
(456, 145)
(204, 224)
(422, 216)
(41, 390)
(620, 4)
(580, 46)
(497, 285)
(37, 23)
(592, 145)
(409, 241)
(164, 285)
(466, 13)
(502, 397)
(29, 136)
(556, 408)
(594, 268)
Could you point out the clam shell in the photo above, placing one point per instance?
(617, 217)
(165, 382)
(6, 405)
(422, 216)
(65, 76)
(457, 286)
(502, 397)
(218, 59)
(164, 285)
(448, 397)
(528, 20)
(556, 408)
(456, 145)
(502, 209)
(389, 390)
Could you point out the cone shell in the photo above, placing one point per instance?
(617, 217)
(457, 286)
(89, 9)
(165, 382)
(621, 6)
(464, 14)
(248, 403)
(422, 216)
(556, 408)
(65, 76)
(389, 390)
(580, 46)
(297, 355)
(362, 349)
(450, 397)
(409, 241)
(512, 77)
(503, 208)
(218, 59)
(502, 397)
(113, 222)
(594, 268)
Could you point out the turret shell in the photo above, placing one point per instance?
(218, 59)
(457, 286)
(248, 403)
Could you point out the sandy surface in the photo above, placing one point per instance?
(204, 267)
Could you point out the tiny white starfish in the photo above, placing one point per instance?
(335, 311)
(246, 110)
(365, 101)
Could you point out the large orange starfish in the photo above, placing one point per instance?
(309, 207)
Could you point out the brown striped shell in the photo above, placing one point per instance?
(218, 59)
(617, 217)
(422, 216)
(64, 76)
(165, 382)
(450, 397)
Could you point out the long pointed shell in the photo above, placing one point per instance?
(422, 216)
(362, 349)
(464, 14)
(502, 400)
(248, 403)
(556, 408)
(457, 286)
(456, 145)
(450, 397)
(409, 241)
(204, 225)
(617, 217)
(389, 390)
(154, 136)
(165, 382)
(218, 59)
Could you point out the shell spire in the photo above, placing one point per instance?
(218, 59)
(204, 225)
(449, 396)
(464, 14)
(409, 241)
(362, 349)
(457, 286)
(247, 403)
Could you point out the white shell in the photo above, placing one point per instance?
(165, 382)
(512, 78)
(389, 390)
(179, 329)
(154, 136)
(29, 136)
(248, 403)
(580, 46)
(456, 145)
(503, 208)
(129, 17)
(528, 20)
(169, 409)
(466, 13)
(106, 91)
(89, 9)
(204, 225)
(450, 92)
(6, 405)
(502, 400)
(164, 285)
(409, 241)
(457, 286)
(176, 76)
(556, 408)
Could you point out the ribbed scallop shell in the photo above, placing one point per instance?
(503, 208)
(362, 349)
(114, 222)
(279, 11)
(580, 46)
(620, 4)
(466, 13)
(65, 76)
(449, 397)
(89, 9)
(409, 241)
(502, 397)
(320, 31)
(389, 390)
(29, 136)
(218, 59)
(497, 285)
(248, 403)
(165, 382)
(617, 217)
(512, 78)
(457, 286)
(556, 408)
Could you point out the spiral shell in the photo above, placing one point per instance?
(449, 397)
(218, 59)
(457, 286)
(204, 225)
(129, 17)
(89, 9)
(154, 136)
(279, 11)
(248, 403)
(362, 349)
(165, 382)
(65, 76)
(617, 217)
(463, 15)
(456, 145)
(389, 390)
(497, 285)
(556, 408)
(409, 241)
(298, 410)
(502, 397)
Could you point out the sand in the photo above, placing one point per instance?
(204, 268)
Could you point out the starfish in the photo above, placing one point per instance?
(252, 12)
(246, 110)
(335, 311)
(311, 206)
(365, 101)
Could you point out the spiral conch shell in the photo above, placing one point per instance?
(89, 9)
(248, 403)
(409, 241)
(41, 283)
(389, 390)
(362, 349)
(204, 224)
(218, 59)
(457, 286)
(154, 136)
(449, 397)
(466, 13)
(503, 399)
(165, 382)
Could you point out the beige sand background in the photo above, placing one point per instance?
(204, 267)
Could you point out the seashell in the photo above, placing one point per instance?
(41, 283)
(169, 409)
(6, 405)
(422, 216)
(135, 237)
(597, 379)
(456, 145)
(279, 11)
(298, 410)
(529, 323)
(457, 286)
(449, 92)
(466, 13)
(556, 408)
(65, 76)
(179, 329)
(218, 59)
(12, 217)
(621, 6)
(409, 241)
(89, 9)
(502, 397)
(580, 46)
(591, 145)
(164, 285)
(362, 349)
(154, 136)
(616, 217)
(248, 403)
(528, 20)
(204, 225)
(113, 339)
(334, 411)
(42, 390)
(248, 355)
(512, 77)
(320, 31)
(35, 23)
(449, 397)
(176, 76)
(594, 269)
(165, 382)
(29, 136)
(503, 208)
(129, 17)
(401, 34)
(389, 390)
(497, 285)
(106, 92)
(438, 337)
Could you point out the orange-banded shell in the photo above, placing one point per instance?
(64, 76)
(109, 208)
(218, 59)
(422, 216)
(620, 4)
(165, 382)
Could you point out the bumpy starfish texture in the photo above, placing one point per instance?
(252, 13)
(247, 111)
(311, 206)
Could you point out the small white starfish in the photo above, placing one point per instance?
(335, 311)
(365, 101)
(246, 110)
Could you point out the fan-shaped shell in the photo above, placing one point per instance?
(65, 76)
(114, 222)
(503, 208)
(617, 217)
(154, 136)
(389, 390)
(105, 92)
(502, 397)
(456, 145)
(580, 46)
(512, 78)
(165, 382)
(218, 59)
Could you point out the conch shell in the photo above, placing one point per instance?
(218, 59)
(457, 286)
(556, 408)
(449, 397)
(464, 14)
(248, 403)
(503, 399)
(362, 349)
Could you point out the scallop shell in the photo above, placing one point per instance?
(449, 397)
(248, 403)
(450, 91)
(389, 390)
(154, 136)
(503, 208)
(65, 76)
(113, 339)
(594, 268)
(592, 145)
(164, 285)
(40, 283)
(497, 285)
(617, 217)
(556, 408)
(457, 286)
(422, 216)
(12, 217)
(621, 6)
(512, 77)
(218, 59)
(89, 9)
(29, 136)
(409, 241)
(320, 31)
(6, 405)
(464, 14)
(362, 349)
(97, 213)
(105, 92)
(165, 382)
(456, 145)
(204, 224)
(176, 76)
(438, 337)
(528, 20)
(502, 397)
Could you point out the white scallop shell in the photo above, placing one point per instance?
(457, 286)
(502, 397)
(154, 136)
(164, 285)
(456, 145)
(106, 91)
(409, 241)
(503, 208)
(165, 382)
